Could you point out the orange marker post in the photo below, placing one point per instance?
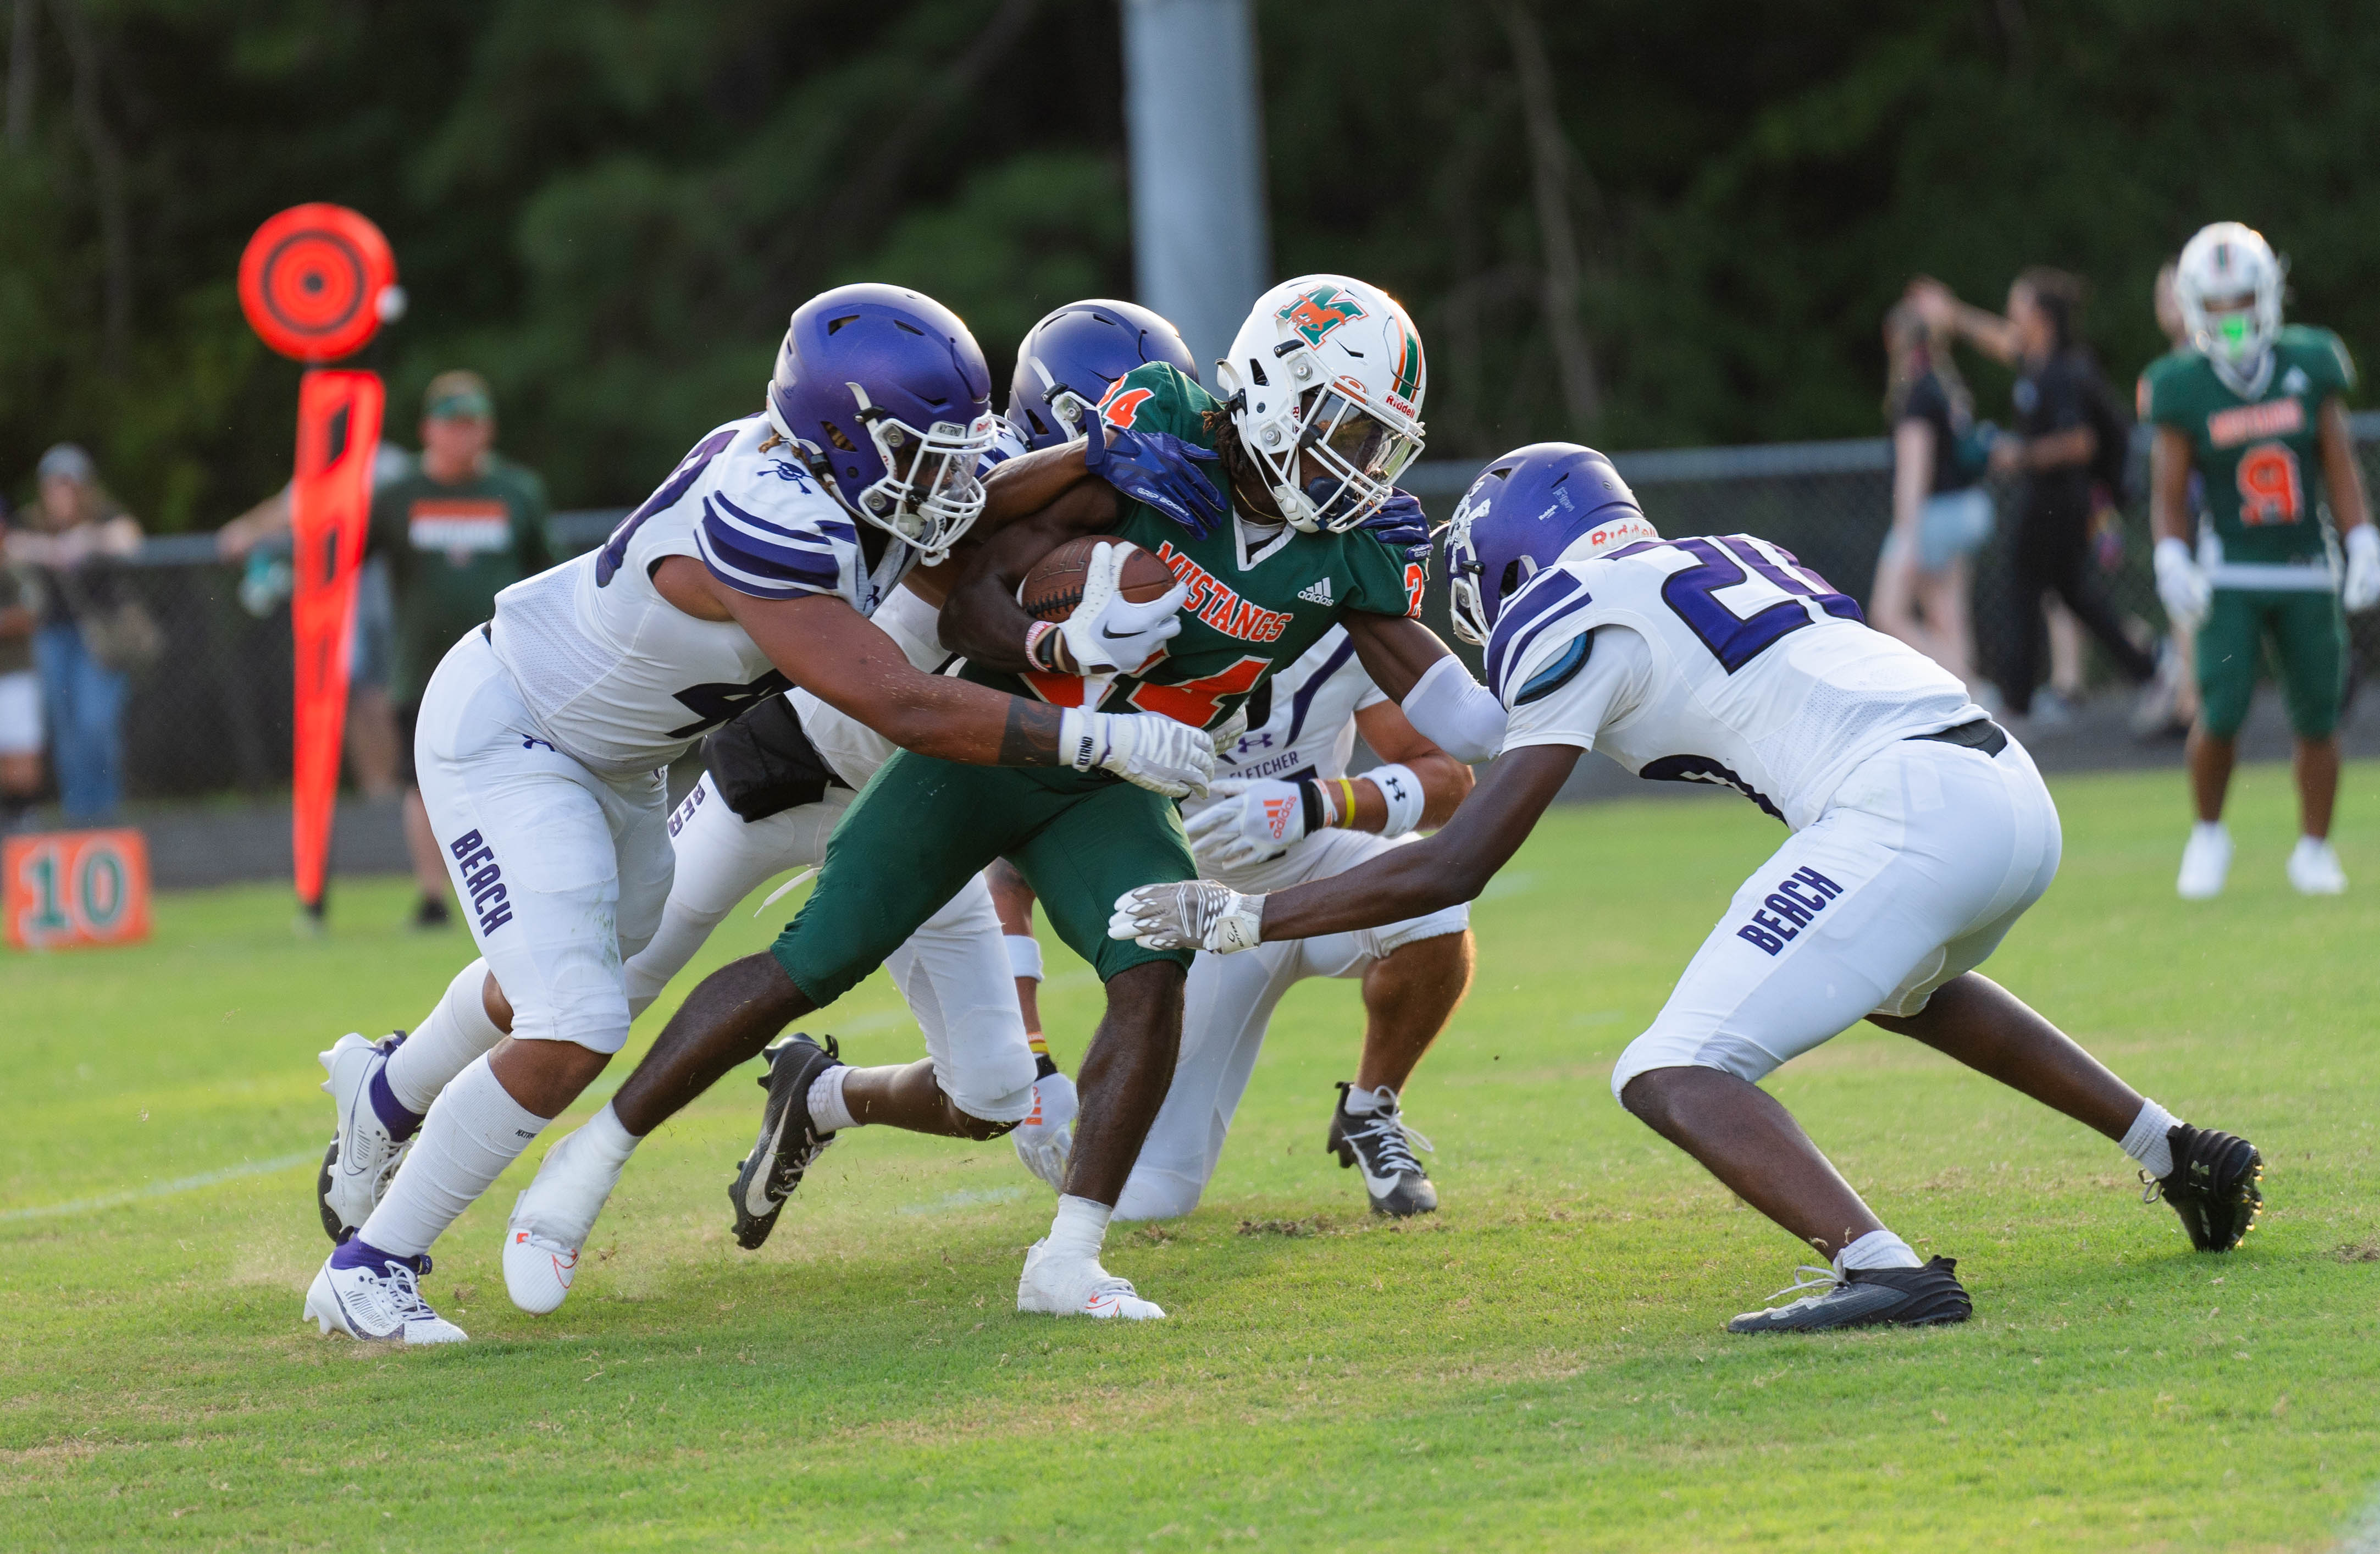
(316, 283)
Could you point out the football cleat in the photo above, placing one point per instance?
(2314, 869)
(363, 1154)
(1382, 1146)
(1079, 1289)
(366, 1293)
(789, 1141)
(551, 1220)
(2205, 860)
(2213, 1186)
(1861, 1297)
(538, 1269)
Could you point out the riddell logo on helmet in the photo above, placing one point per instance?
(1120, 409)
(1316, 313)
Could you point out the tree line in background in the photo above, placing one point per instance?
(1637, 223)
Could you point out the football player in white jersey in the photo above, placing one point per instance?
(545, 734)
(1920, 833)
(1282, 810)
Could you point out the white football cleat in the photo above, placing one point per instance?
(2314, 869)
(379, 1298)
(1079, 1289)
(552, 1220)
(362, 1156)
(2205, 860)
(537, 1271)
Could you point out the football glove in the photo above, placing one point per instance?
(1402, 525)
(1158, 468)
(1108, 635)
(1252, 820)
(1144, 748)
(2361, 589)
(2181, 582)
(1045, 1140)
(1195, 914)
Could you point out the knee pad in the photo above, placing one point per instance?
(1660, 1049)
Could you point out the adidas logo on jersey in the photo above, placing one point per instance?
(1316, 593)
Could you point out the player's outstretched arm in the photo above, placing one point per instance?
(1455, 866)
(1428, 683)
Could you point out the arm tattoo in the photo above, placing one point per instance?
(1031, 736)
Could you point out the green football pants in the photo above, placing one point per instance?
(2308, 635)
(922, 826)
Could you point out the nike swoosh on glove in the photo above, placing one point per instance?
(1250, 821)
(1158, 468)
(1195, 914)
(2362, 589)
(1400, 523)
(1107, 634)
(1146, 749)
(1045, 1141)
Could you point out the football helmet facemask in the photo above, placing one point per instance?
(1326, 374)
(2229, 284)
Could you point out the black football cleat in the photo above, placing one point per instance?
(1864, 1297)
(789, 1141)
(2213, 1186)
(1382, 1146)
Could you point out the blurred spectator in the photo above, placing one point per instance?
(92, 628)
(465, 524)
(2061, 407)
(371, 737)
(1941, 514)
(20, 695)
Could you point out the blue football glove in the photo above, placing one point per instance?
(1158, 468)
(1402, 525)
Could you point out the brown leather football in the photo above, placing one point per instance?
(1055, 585)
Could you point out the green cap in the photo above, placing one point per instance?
(456, 397)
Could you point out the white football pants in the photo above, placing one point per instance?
(1921, 862)
(1228, 1005)
(953, 970)
(562, 872)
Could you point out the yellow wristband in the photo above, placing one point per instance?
(1033, 1038)
(1346, 802)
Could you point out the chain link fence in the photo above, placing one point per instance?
(213, 715)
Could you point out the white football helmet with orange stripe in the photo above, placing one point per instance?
(1324, 383)
(2229, 283)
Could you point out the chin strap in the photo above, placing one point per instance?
(2250, 385)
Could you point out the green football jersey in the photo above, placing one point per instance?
(1252, 609)
(2260, 460)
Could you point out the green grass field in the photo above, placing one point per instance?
(1541, 1364)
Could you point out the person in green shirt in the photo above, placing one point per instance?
(2259, 411)
(463, 527)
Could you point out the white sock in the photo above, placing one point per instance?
(1363, 1103)
(1079, 1230)
(2207, 827)
(827, 1109)
(2146, 1141)
(443, 1044)
(472, 1132)
(1875, 1249)
(609, 1137)
(575, 1179)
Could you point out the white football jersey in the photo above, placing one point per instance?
(622, 680)
(1306, 729)
(1735, 665)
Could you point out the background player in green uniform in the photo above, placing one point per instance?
(1270, 556)
(2260, 411)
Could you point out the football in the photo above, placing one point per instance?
(1054, 586)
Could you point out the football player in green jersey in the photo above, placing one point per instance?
(2259, 410)
(1277, 512)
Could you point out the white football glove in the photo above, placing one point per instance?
(1045, 1141)
(1107, 634)
(1252, 820)
(1144, 748)
(1197, 914)
(2362, 589)
(2181, 582)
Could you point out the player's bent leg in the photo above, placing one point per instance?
(1412, 987)
(956, 975)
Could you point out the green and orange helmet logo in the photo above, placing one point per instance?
(1316, 313)
(1409, 369)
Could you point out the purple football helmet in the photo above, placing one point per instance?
(1066, 363)
(1518, 518)
(887, 396)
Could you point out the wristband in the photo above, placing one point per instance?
(1403, 793)
(1314, 810)
(1024, 955)
(1036, 635)
(1346, 802)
